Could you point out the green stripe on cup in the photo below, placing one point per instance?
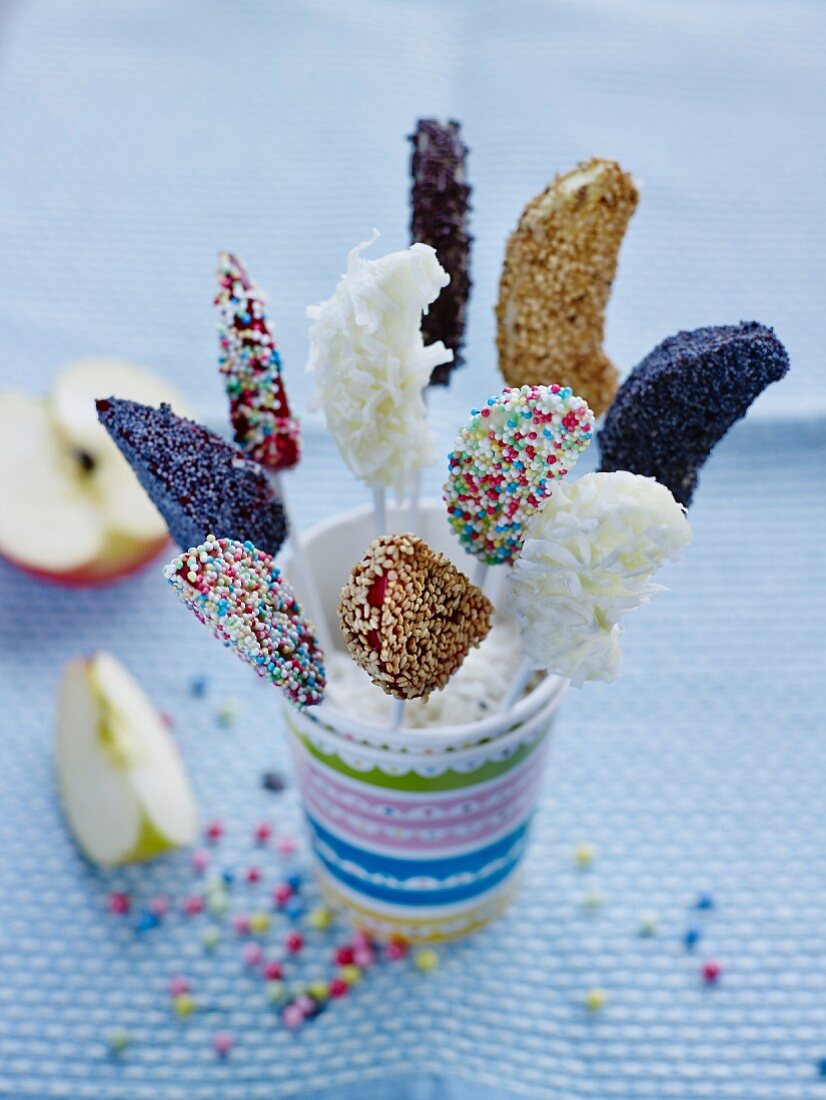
(412, 781)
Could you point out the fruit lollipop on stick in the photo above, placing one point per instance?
(197, 482)
(680, 401)
(504, 465)
(559, 265)
(409, 617)
(249, 361)
(259, 410)
(371, 366)
(239, 593)
(440, 204)
(588, 557)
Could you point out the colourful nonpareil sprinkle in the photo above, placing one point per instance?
(584, 855)
(214, 831)
(273, 971)
(184, 1004)
(292, 1017)
(504, 463)
(252, 954)
(217, 902)
(263, 832)
(198, 687)
(159, 906)
(227, 713)
(259, 923)
(425, 960)
(319, 918)
(178, 985)
(691, 938)
(595, 999)
(118, 1040)
(704, 902)
(200, 861)
(147, 921)
(273, 782)
(711, 971)
(240, 594)
(276, 992)
(293, 942)
(351, 975)
(593, 900)
(193, 905)
(211, 938)
(222, 1043)
(253, 875)
(249, 361)
(282, 894)
(118, 903)
(648, 925)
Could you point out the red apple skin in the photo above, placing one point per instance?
(92, 576)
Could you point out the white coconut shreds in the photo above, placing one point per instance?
(371, 365)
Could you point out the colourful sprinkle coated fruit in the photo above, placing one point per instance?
(239, 593)
(680, 401)
(505, 461)
(251, 366)
(198, 482)
(409, 616)
(440, 201)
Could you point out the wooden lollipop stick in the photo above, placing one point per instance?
(301, 570)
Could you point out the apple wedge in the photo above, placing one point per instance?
(71, 509)
(122, 782)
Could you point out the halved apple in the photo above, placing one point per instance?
(71, 509)
(122, 782)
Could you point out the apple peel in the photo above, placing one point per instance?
(122, 781)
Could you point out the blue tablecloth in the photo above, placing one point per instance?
(137, 139)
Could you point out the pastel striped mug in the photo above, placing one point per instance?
(418, 833)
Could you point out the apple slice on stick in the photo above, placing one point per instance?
(122, 781)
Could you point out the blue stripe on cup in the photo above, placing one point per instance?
(454, 879)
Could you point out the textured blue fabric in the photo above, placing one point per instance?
(135, 141)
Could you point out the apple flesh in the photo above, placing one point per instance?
(71, 509)
(122, 782)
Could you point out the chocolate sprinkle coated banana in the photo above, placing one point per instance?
(680, 401)
(440, 200)
(559, 266)
(409, 617)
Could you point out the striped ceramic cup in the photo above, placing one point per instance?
(418, 833)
